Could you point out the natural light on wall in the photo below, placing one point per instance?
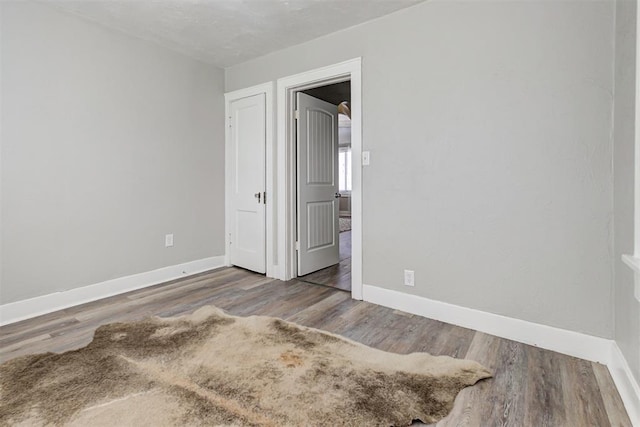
(344, 162)
(344, 153)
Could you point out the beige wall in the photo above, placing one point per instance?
(489, 126)
(108, 143)
(627, 308)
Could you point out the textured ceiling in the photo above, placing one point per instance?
(227, 32)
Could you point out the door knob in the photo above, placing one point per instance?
(257, 196)
(338, 195)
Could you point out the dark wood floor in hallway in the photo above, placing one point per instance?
(530, 387)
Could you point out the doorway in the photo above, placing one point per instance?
(287, 89)
(325, 153)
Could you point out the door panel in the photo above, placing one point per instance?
(317, 179)
(321, 214)
(248, 225)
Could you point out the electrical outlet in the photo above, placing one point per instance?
(409, 278)
(168, 240)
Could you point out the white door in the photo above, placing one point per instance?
(247, 222)
(317, 189)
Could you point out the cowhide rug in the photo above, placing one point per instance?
(210, 368)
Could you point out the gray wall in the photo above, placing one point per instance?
(627, 308)
(489, 126)
(108, 143)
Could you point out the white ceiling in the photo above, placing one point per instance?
(227, 32)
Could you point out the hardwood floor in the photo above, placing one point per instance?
(337, 276)
(530, 387)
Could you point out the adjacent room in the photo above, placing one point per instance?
(265, 212)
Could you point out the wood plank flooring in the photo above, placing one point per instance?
(336, 276)
(530, 387)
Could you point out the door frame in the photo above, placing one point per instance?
(270, 208)
(286, 161)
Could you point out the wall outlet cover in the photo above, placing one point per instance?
(409, 278)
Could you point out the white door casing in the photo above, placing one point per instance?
(285, 161)
(247, 225)
(317, 184)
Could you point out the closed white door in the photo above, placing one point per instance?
(247, 222)
(317, 184)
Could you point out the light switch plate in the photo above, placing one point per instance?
(366, 158)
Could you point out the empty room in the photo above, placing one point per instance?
(320, 212)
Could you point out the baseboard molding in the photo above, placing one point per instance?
(560, 340)
(25, 309)
(626, 383)
(574, 344)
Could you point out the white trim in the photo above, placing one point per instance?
(574, 344)
(621, 373)
(626, 384)
(561, 340)
(286, 87)
(25, 309)
(270, 212)
(634, 263)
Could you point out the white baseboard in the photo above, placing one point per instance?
(25, 309)
(563, 341)
(574, 344)
(626, 384)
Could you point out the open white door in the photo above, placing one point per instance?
(317, 189)
(247, 223)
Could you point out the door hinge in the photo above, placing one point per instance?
(297, 245)
(297, 114)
